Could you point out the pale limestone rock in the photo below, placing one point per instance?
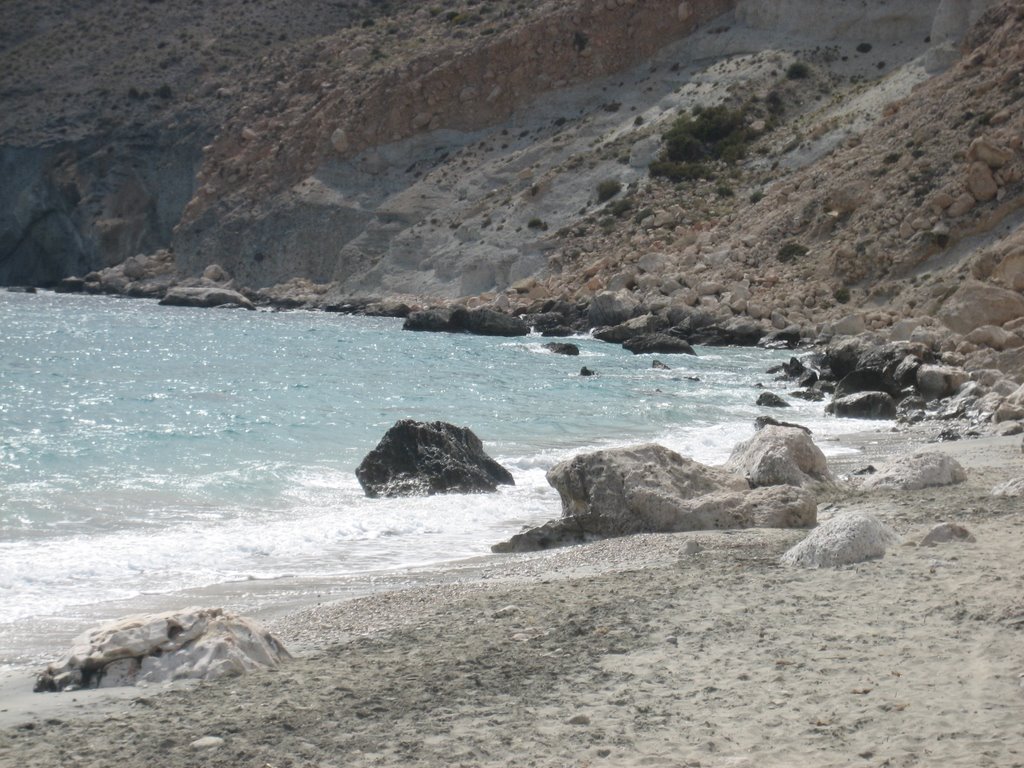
(612, 308)
(197, 643)
(216, 273)
(902, 330)
(339, 140)
(989, 152)
(995, 337)
(850, 537)
(975, 304)
(980, 182)
(851, 325)
(963, 204)
(779, 456)
(926, 469)
(203, 296)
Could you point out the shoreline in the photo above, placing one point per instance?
(545, 604)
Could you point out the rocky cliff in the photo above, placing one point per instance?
(505, 150)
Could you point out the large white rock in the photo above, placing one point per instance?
(919, 470)
(197, 643)
(975, 304)
(850, 537)
(1011, 488)
(779, 456)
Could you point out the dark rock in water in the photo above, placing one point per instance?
(557, 331)
(563, 348)
(21, 289)
(692, 378)
(70, 285)
(205, 297)
(488, 322)
(864, 405)
(584, 371)
(424, 458)
(771, 400)
(546, 323)
(660, 366)
(812, 395)
(481, 321)
(948, 435)
(868, 470)
(637, 326)
(809, 379)
(794, 368)
(737, 332)
(767, 421)
(658, 343)
(866, 380)
(787, 338)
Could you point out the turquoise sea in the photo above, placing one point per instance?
(148, 450)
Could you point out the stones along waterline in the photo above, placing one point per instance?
(150, 449)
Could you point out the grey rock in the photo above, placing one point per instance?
(658, 343)
(850, 537)
(864, 405)
(425, 458)
(947, 532)
(778, 455)
(205, 297)
(926, 469)
(771, 400)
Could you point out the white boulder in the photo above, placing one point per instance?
(850, 537)
(197, 643)
(927, 469)
(778, 455)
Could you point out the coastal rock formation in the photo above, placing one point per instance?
(649, 488)
(198, 643)
(927, 469)
(423, 458)
(480, 321)
(850, 537)
(562, 348)
(864, 405)
(658, 343)
(779, 455)
(1011, 488)
(205, 297)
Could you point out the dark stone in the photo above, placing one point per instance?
(865, 380)
(767, 421)
(21, 289)
(809, 379)
(868, 470)
(771, 400)
(434, 320)
(488, 322)
(557, 331)
(660, 366)
(555, 533)
(424, 458)
(658, 343)
(787, 338)
(864, 405)
(584, 371)
(737, 332)
(545, 322)
(794, 368)
(563, 348)
(70, 285)
(813, 395)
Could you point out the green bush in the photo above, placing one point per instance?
(841, 295)
(756, 196)
(608, 189)
(791, 250)
(718, 133)
(621, 207)
(536, 223)
(798, 70)
(724, 190)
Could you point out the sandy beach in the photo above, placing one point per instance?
(625, 652)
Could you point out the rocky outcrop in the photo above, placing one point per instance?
(658, 343)
(424, 458)
(649, 488)
(562, 348)
(976, 304)
(182, 296)
(864, 405)
(847, 538)
(198, 643)
(778, 455)
(480, 321)
(928, 469)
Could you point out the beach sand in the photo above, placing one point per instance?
(626, 652)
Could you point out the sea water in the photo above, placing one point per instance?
(148, 450)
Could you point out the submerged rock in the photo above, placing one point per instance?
(562, 348)
(197, 643)
(864, 405)
(425, 458)
(850, 537)
(658, 343)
